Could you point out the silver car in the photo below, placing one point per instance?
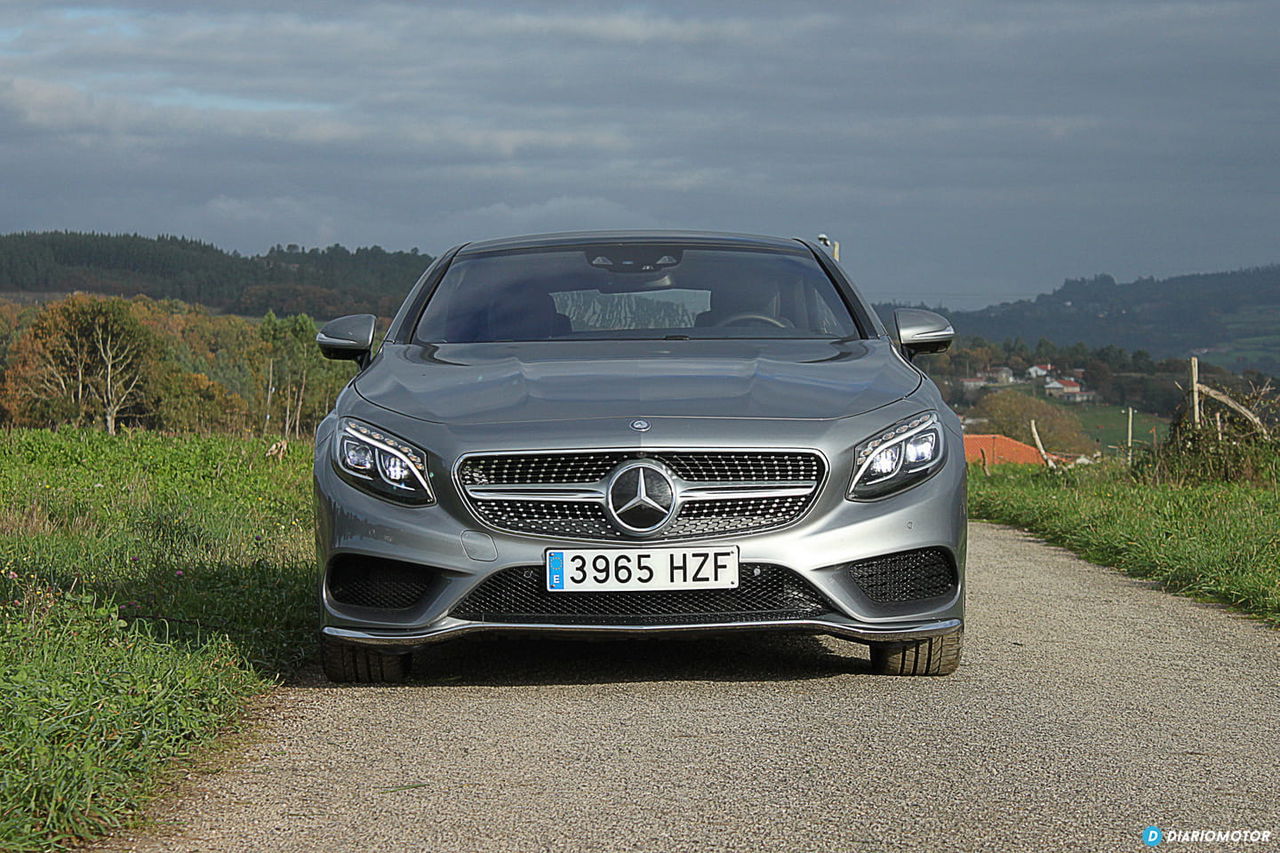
(639, 433)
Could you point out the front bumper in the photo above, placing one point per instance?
(456, 554)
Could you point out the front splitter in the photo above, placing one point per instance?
(450, 628)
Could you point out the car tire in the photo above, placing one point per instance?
(347, 663)
(934, 656)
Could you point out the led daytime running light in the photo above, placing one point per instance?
(895, 458)
(408, 455)
(379, 463)
(899, 432)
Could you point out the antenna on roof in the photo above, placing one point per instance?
(833, 246)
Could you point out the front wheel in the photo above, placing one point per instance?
(346, 662)
(934, 656)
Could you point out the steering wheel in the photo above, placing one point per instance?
(752, 315)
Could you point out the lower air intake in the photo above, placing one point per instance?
(519, 595)
(385, 584)
(907, 576)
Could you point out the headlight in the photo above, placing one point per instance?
(900, 456)
(372, 459)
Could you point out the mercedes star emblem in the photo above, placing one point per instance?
(641, 497)
(640, 425)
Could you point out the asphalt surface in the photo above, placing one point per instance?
(1088, 706)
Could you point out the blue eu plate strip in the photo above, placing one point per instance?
(555, 570)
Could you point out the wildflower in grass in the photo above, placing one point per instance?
(13, 576)
(179, 573)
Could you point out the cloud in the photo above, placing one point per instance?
(562, 213)
(975, 148)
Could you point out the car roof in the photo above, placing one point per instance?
(586, 238)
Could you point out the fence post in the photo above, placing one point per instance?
(1195, 392)
(1129, 439)
(1035, 433)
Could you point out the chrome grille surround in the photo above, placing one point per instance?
(563, 494)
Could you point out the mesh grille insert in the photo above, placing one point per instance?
(368, 582)
(908, 576)
(519, 595)
(549, 518)
(538, 468)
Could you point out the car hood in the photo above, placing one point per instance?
(576, 380)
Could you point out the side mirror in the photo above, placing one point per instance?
(349, 337)
(922, 331)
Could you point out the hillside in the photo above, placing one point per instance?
(287, 279)
(1229, 318)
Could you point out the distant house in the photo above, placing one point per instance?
(999, 449)
(998, 375)
(971, 384)
(1039, 371)
(1061, 388)
(1068, 391)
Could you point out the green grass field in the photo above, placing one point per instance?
(1253, 338)
(150, 584)
(1217, 541)
(1107, 425)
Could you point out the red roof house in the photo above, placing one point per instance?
(1000, 449)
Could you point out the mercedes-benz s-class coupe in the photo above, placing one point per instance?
(638, 433)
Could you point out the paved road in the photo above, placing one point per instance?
(1088, 707)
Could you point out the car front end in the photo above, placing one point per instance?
(622, 487)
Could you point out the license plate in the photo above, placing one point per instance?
(642, 569)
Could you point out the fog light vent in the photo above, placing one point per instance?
(385, 584)
(907, 576)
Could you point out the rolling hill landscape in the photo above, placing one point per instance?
(1231, 319)
(1228, 318)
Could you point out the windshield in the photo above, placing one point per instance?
(637, 291)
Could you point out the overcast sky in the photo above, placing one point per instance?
(961, 152)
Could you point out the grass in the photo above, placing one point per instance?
(1215, 541)
(1253, 338)
(150, 584)
(1108, 425)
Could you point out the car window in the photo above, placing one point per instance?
(639, 291)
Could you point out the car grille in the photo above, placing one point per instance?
(519, 595)
(769, 489)
(908, 576)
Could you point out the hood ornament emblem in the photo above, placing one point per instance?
(640, 425)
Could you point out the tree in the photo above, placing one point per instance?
(1010, 413)
(301, 384)
(83, 359)
(191, 402)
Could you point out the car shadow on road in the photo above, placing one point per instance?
(538, 661)
(549, 661)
